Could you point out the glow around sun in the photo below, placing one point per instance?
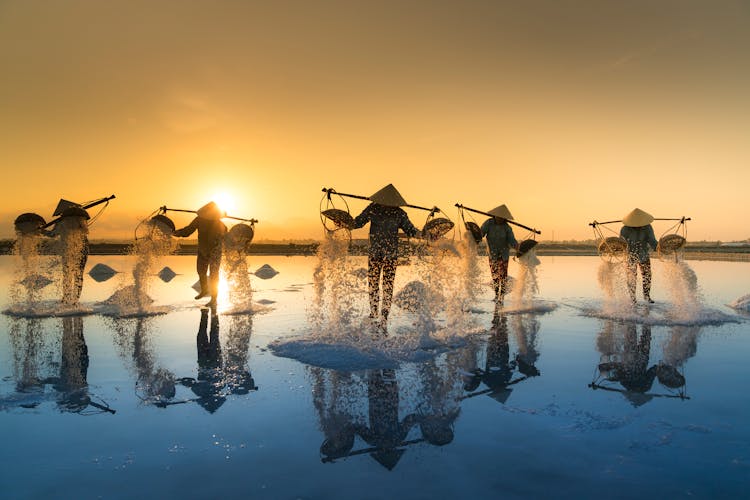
(225, 201)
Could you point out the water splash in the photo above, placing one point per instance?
(439, 268)
(73, 251)
(613, 282)
(429, 314)
(526, 285)
(64, 271)
(132, 297)
(240, 288)
(470, 271)
(418, 298)
(337, 303)
(681, 283)
(741, 304)
(32, 274)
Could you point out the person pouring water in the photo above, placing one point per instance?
(639, 234)
(211, 231)
(500, 240)
(386, 218)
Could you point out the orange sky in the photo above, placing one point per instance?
(566, 113)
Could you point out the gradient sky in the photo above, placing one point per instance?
(566, 111)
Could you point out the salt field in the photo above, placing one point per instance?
(288, 391)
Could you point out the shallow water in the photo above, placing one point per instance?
(180, 404)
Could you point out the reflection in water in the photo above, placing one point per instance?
(28, 343)
(385, 432)
(439, 397)
(380, 408)
(220, 375)
(336, 397)
(208, 384)
(67, 377)
(369, 405)
(340, 399)
(499, 369)
(153, 383)
(625, 359)
(681, 345)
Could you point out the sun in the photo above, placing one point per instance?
(225, 201)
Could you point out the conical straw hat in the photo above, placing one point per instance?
(637, 218)
(389, 196)
(501, 212)
(210, 211)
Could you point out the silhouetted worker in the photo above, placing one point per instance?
(73, 230)
(639, 234)
(386, 218)
(211, 233)
(500, 240)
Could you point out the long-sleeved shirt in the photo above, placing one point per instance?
(384, 225)
(500, 238)
(639, 239)
(210, 234)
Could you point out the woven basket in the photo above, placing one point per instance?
(436, 228)
(670, 243)
(340, 218)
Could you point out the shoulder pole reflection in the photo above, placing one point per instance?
(625, 357)
(384, 432)
(366, 406)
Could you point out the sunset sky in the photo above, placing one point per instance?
(565, 111)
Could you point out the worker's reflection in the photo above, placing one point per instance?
(70, 381)
(218, 375)
(382, 407)
(499, 368)
(626, 359)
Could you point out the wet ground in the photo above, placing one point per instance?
(565, 398)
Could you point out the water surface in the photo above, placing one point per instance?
(514, 405)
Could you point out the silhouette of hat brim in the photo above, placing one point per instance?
(501, 212)
(210, 211)
(637, 218)
(389, 196)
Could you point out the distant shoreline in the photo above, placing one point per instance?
(692, 251)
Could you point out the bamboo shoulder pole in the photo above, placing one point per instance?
(490, 215)
(331, 191)
(85, 207)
